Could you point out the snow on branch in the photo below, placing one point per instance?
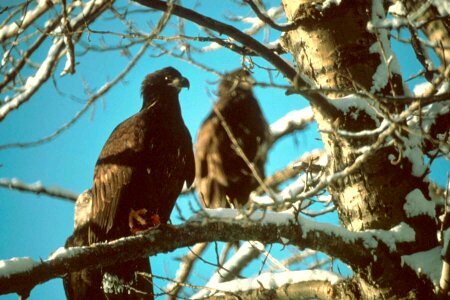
(55, 53)
(37, 188)
(14, 28)
(227, 225)
(268, 281)
(245, 254)
(33, 83)
(266, 17)
(388, 61)
(426, 262)
(292, 121)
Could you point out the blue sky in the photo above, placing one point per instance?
(35, 225)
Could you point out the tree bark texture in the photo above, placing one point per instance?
(331, 46)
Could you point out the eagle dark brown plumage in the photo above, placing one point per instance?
(140, 173)
(222, 176)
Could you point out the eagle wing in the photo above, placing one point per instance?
(208, 152)
(114, 171)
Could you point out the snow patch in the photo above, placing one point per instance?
(416, 204)
(329, 3)
(388, 62)
(62, 252)
(413, 151)
(293, 118)
(443, 7)
(16, 265)
(358, 104)
(398, 8)
(428, 263)
(422, 88)
(401, 233)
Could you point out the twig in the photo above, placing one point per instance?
(266, 19)
(186, 265)
(37, 188)
(241, 153)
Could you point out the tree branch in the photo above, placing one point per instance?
(266, 19)
(317, 99)
(37, 188)
(354, 248)
(187, 262)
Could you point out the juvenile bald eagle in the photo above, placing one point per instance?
(222, 176)
(138, 176)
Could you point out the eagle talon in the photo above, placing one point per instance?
(139, 221)
(136, 220)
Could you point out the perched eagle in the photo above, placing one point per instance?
(222, 176)
(138, 176)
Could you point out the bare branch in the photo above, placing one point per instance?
(187, 262)
(37, 188)
(290, 172)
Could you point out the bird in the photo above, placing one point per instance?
(87, 283)
(223, 178)
(138, 176)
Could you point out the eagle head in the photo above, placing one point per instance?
(238, 80)
(164, 82)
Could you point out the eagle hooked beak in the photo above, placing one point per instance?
(179, 83)
(185, 83)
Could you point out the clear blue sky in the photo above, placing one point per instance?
(35, 225)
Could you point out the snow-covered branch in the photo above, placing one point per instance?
(293, 121)
(228, 225)
(88, 14)
(253, 288)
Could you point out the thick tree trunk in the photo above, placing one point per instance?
(331, 46)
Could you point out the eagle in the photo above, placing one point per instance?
(223, 178)
(138, 176)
